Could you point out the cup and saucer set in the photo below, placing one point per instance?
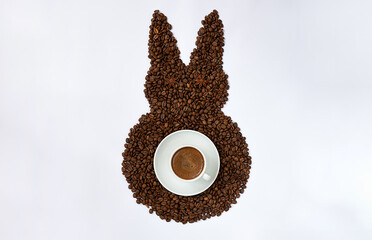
(186, 162)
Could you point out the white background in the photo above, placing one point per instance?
(71, 87)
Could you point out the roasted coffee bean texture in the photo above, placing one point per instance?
(186, 97)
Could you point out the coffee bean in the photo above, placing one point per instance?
(186, 97)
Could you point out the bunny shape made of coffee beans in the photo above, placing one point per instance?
(186, 97)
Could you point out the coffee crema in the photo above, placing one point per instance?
(187, 163)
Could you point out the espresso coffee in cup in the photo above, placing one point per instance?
(187, 163)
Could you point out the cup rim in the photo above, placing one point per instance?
(204, 167)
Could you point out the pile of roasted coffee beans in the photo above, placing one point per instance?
(186, 97)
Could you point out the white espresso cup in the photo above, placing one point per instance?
(202, 175)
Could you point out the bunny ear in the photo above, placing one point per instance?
(163, 51)
(209, 46)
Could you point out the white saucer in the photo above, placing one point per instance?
(164, 152)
